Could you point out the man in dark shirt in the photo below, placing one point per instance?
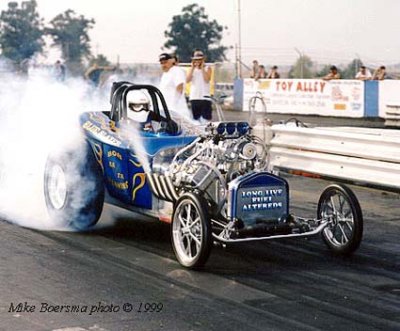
(93, 74)
(59, 71)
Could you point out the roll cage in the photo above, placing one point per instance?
(119, 91)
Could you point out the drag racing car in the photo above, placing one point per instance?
(210, 184)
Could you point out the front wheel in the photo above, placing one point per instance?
(340, 206)
(191, 231)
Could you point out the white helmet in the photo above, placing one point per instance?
(137, 104)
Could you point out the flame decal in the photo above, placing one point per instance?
(98, 153)
(142, 178)
(136, 164)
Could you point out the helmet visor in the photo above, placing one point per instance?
(136, 107)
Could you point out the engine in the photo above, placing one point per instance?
(224, 152)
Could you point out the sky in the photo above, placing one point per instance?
(272, 31)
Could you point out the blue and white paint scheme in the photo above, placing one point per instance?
(124, 175)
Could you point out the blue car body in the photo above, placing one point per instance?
(124, 175)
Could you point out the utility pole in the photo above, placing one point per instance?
(237, 62)
(239, 58)
(301, 58)
(357, 64)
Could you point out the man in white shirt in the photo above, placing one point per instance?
(175, 61)
(172, 85)
(199, 75)
(363, 74)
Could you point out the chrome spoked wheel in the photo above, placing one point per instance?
(340, 207)
(191, 231)
(188, 231)
(57, 186)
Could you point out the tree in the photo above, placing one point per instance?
(100, 60)
(70, 32)
(302, 68)
(352, 68)
(192, 30)
(326, 69)
(21, 31)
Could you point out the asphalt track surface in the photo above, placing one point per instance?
(127, 261)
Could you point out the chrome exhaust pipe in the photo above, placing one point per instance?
(172, 189)
(152, 185)
(158, 186)
(166, 192)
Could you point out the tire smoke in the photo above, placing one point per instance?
(38, 115)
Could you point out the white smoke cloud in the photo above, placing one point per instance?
(38, 115)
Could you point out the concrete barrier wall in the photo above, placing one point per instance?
(238, 94)
(371, 98)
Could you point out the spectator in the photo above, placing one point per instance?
(255, 69)
(261, 72)
(183, 105)
(380, 73)
(59, 71)
(93, 74)
(273, 73)
(363, 74)
(333, 74)
(172, 84)
(175, 61)
(199, 75)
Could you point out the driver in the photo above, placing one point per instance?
(138, 111)
(138, 108)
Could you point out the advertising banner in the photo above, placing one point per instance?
(389, 95)
(344, 98)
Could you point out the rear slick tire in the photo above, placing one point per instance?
(74, 189)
